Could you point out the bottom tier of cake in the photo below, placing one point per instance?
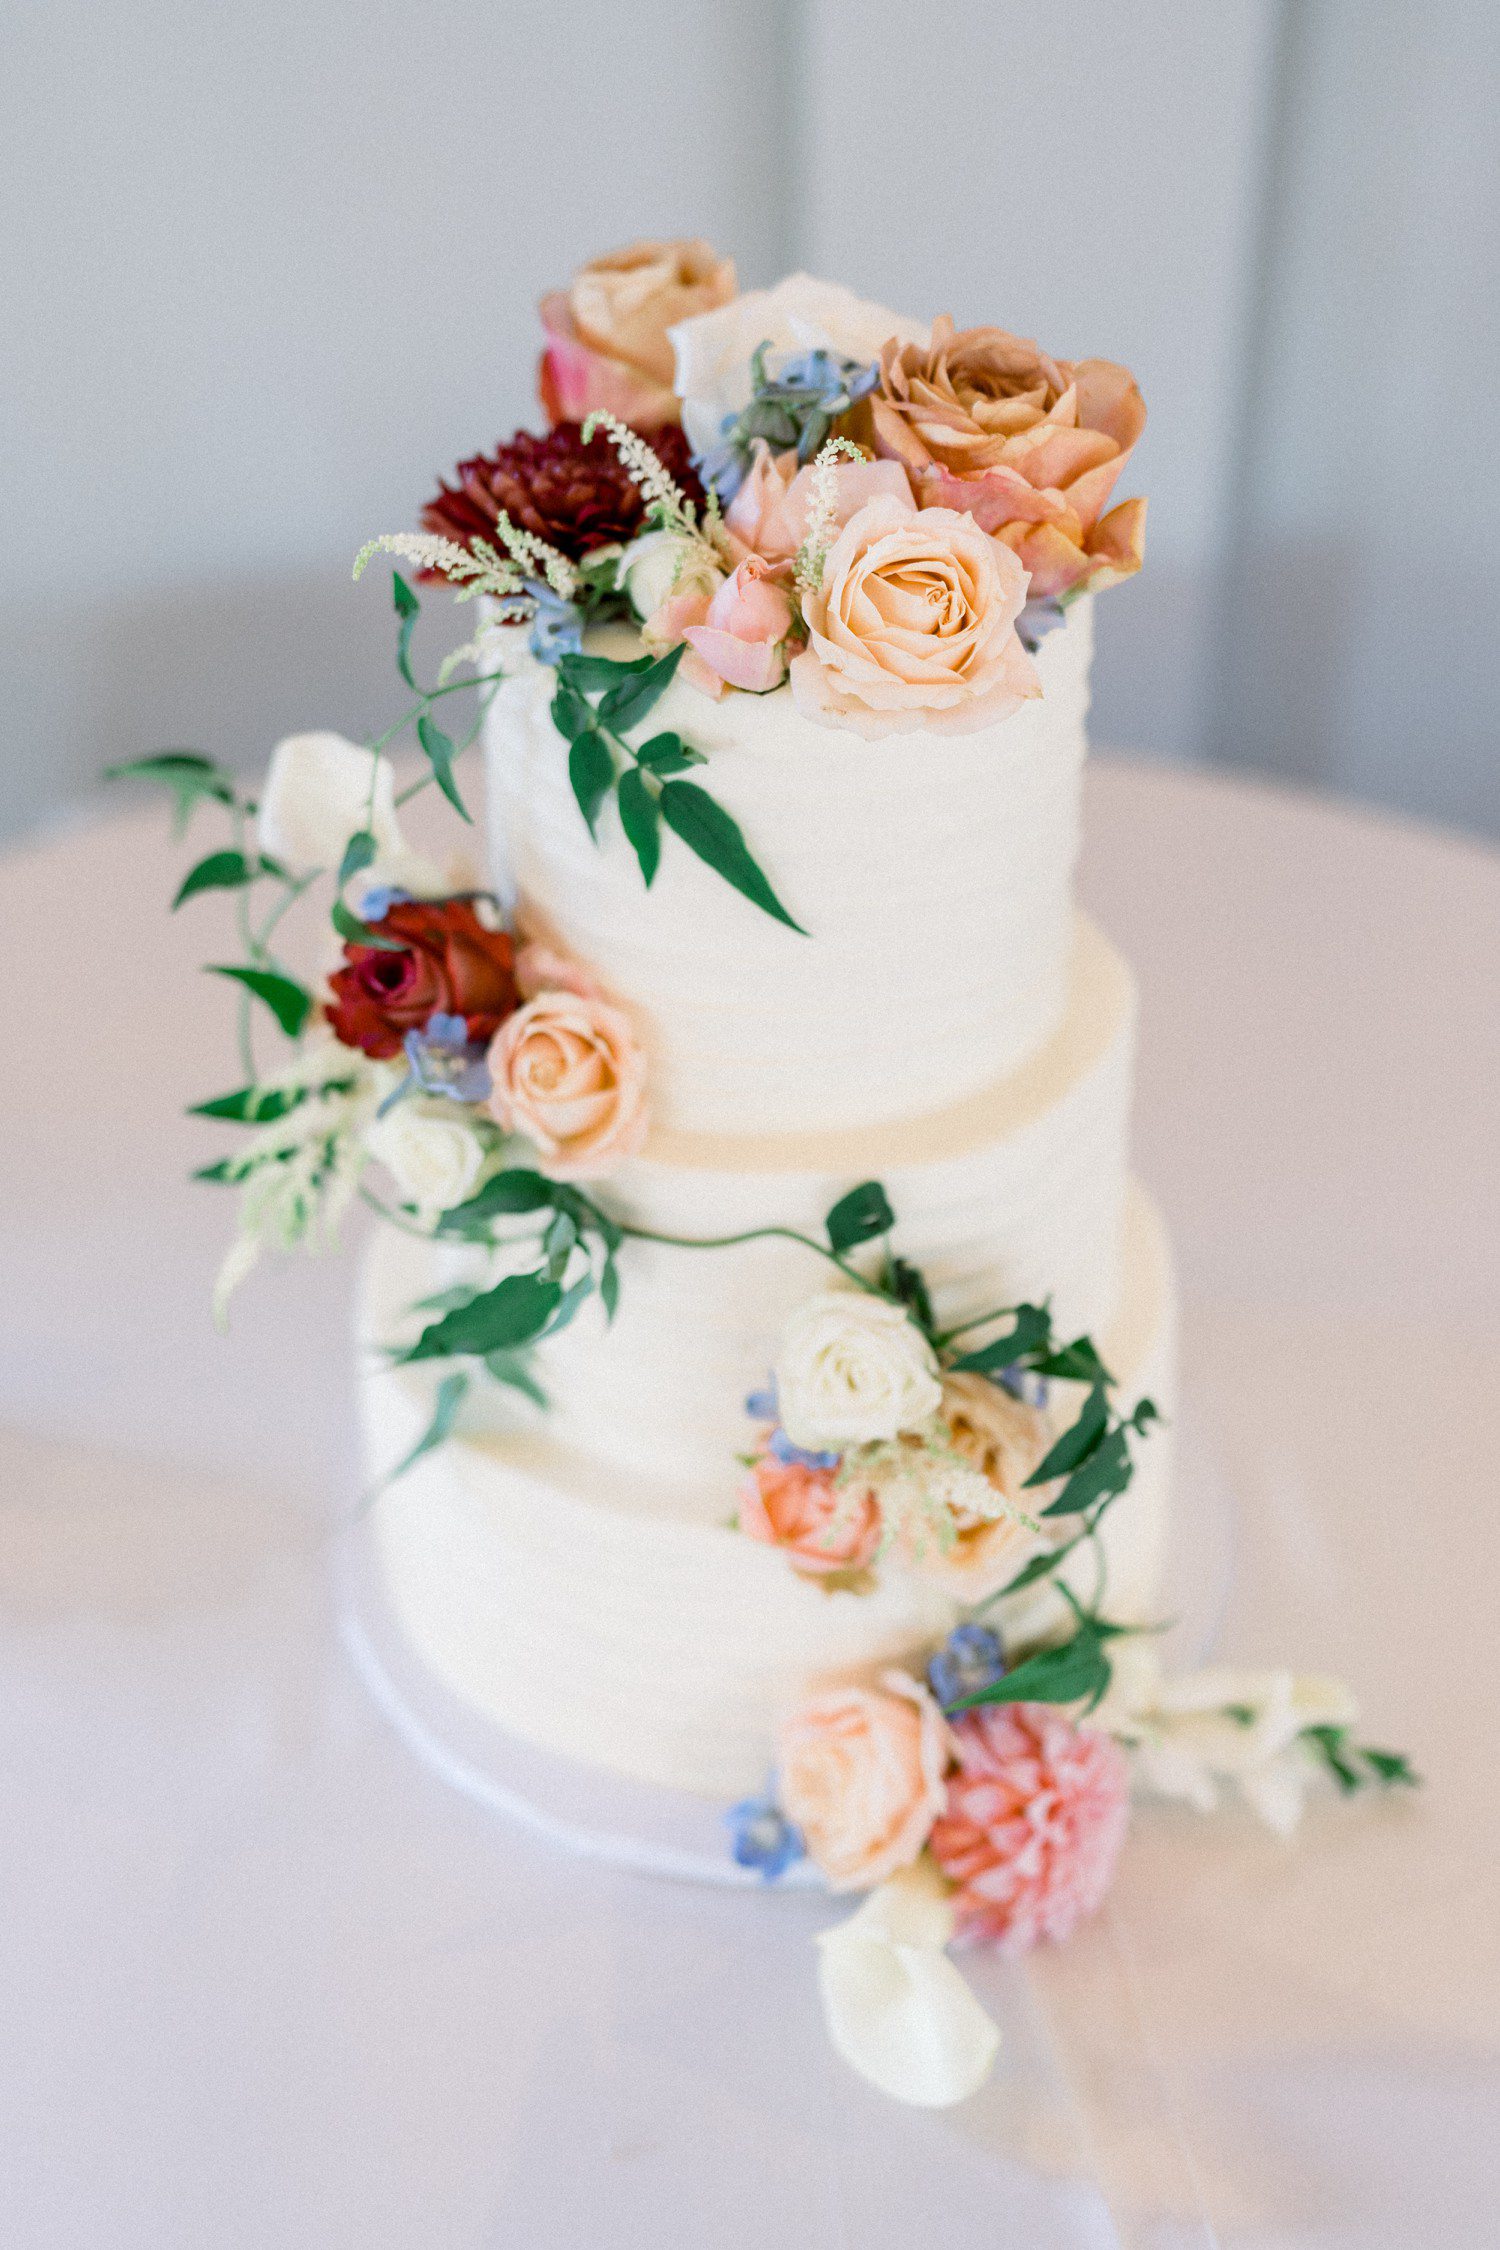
(561, 1601)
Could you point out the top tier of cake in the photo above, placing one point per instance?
(933, 872)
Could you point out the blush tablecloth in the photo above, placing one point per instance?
(267, 1981)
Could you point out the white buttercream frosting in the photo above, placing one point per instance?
(576, 1606)
(1014, 1192)
(933, 872)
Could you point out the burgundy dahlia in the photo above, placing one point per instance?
(575, 496)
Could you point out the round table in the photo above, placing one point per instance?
(268, 1981)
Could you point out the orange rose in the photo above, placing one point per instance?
(799, 1508)
(1032, 447)
(607, 343)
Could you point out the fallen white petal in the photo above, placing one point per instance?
(896, 2008)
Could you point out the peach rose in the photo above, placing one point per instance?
(914, 625)
(1004, 1439)
(567, 1072)
(739, 641)
(861, 1773)
(1030, 446)
(791, 1505)
(607, 345)
(768, 515)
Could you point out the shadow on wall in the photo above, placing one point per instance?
(226, 669)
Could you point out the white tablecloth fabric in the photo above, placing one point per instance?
(266, 1981)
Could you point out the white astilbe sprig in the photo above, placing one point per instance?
(667, 505)
(298, 1174)
(925, 1491)
(813, 552)
(481, 569)
(487, 647)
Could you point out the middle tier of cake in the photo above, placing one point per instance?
(1013, 1193)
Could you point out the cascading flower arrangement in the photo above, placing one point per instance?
(793, 492)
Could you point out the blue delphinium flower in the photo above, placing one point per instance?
(556, 625)
(1037, 618)
(970, 1660)
(761, 1836)
(793, 409)
(379, 899)
(441, 1058)
(762, 1406)
(799, 1456)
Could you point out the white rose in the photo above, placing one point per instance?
(434, 1156)
(852, 1370)
(317, 795)
(800, 314)
(662, 563)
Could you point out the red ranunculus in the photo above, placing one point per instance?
(449, 964)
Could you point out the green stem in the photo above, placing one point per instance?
(430, 696)
(753, 1234)
(395, 1218)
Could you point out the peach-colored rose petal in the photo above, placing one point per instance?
(860, 1772)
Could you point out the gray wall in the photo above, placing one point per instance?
(268, 270)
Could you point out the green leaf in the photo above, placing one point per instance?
(1391, 1768)
(666, 754)
(558, 1243)
(1077, 1362)
(1040, 1566)
(627, 702)
(569, 1303)
(1030, 1331)
(906, 1284)
(1329, 1743)
(715, 836)
(221, 1174)
(519, 1189)
(408, 609)
(609, 1286)
(859, 1216)
(588, 674)
(591, 770)
(571, 715)
(439, 749)
(1076, 1443)
(262, 1105)
(640, 820)
(189, 776)
(451, 1393)
(289, 1002)
(359, 852)
(356, 932)
(1076, 1671)
(221, 871)
(511, 1369)
(1107, 1472)
(514, 1312)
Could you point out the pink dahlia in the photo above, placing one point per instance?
(1036, 1815)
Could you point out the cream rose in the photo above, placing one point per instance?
(860, 1772)
(434, 1157)
(1004, 1439)
(569, 1074)
(914, 625)
(662, 563)
(853, 1370)
(800, 314)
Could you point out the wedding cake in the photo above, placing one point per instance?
(767, 1359)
